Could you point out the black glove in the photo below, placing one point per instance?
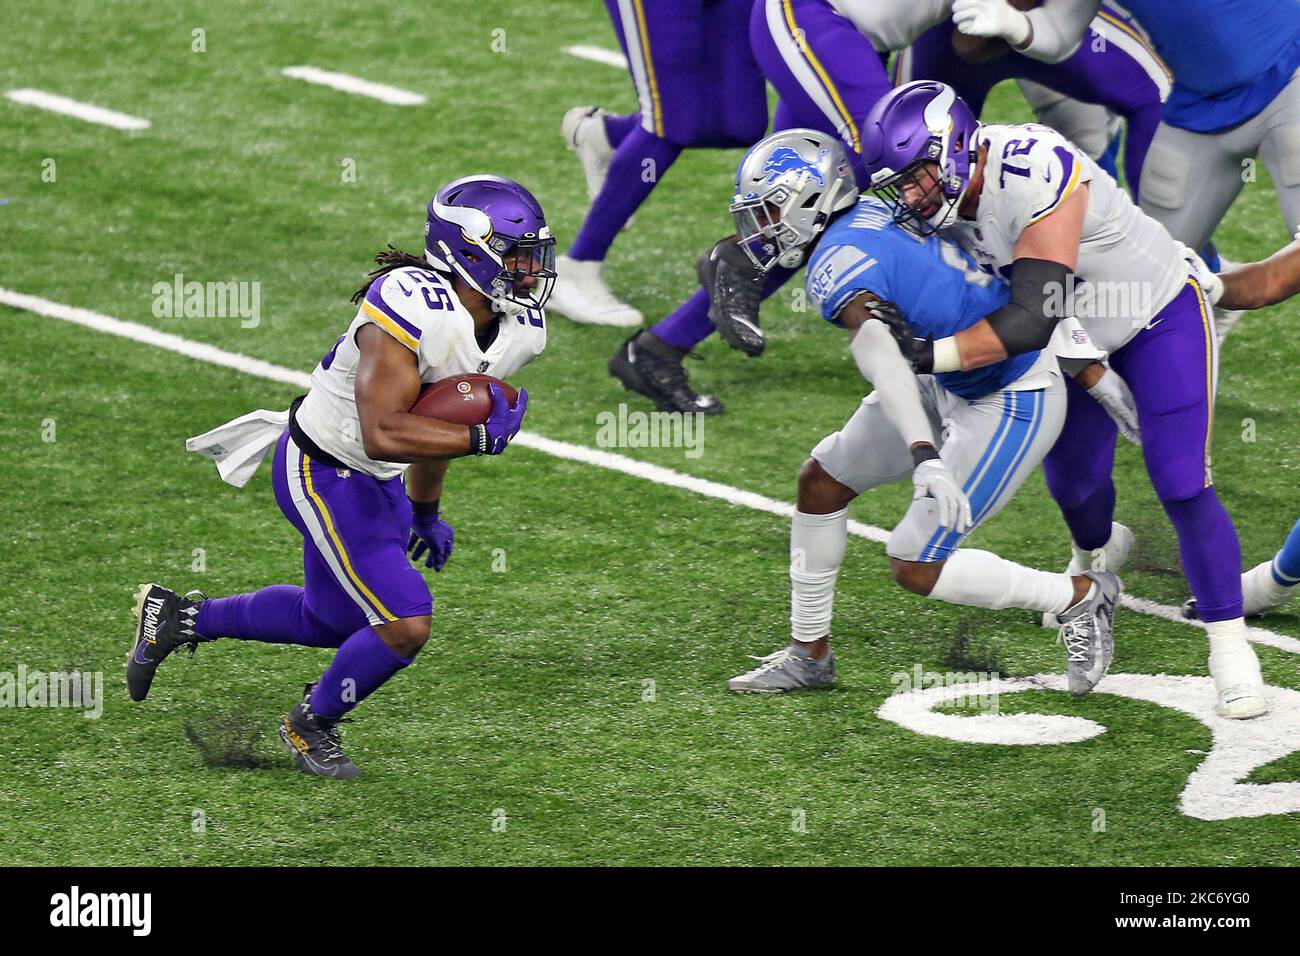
(735, 286)
(918, 352)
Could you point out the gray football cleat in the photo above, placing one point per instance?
(1110, 557)
(1088, 633)
(785, 671)
(314, 741)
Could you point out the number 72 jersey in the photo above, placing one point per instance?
(1128, 268)
(419, 309)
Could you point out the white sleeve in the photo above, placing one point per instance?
(883, 365)
(1059, 27)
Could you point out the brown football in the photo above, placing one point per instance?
(461, 399)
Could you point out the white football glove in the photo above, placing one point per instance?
(1205, 277)
(1112, 393)
(991, 18)
(933, 479)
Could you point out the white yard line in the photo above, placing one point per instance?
(549, 446)
(598, 54)
(82, 111)
(354, 84)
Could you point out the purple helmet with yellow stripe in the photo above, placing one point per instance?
(491, 232)
(918, 146)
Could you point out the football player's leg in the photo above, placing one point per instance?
(359, 527)
(993, 445)
(1171, 366)
(1274, 582)
(1078, 470)
(865, 453)
(1280, 150)
(1190, 179)
(1114, 68)
(826, 73)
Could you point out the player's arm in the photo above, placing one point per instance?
(1045, 255)
(882, 364)
(1050, 31)
(878, 358)
(388, 383)
(1256, 285)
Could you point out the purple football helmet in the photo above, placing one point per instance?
(910, 127)
(492, 233)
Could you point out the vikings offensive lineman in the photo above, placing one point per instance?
(472, 303)
(1233, 98)
(1037, 211)
(826, 60)
(697, 85)
(997, 421)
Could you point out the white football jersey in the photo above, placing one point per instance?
(419, 308)
(893, 24)
(1129, 268)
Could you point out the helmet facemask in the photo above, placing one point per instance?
(937, 197)
(769, 225)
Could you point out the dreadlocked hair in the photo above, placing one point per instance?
(388, 261)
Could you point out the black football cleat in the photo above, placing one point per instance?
(314, 741)
(1189, 610)
(164, 622)
(735, 287)
(651, 367)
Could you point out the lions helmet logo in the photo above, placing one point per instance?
(786, 159)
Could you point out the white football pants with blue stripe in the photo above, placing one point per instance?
(991, 445)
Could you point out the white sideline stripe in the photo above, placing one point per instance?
(354, 84)
(598, 54)
(548, 446)
(82, 111)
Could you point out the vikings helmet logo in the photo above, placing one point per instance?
(786, 159)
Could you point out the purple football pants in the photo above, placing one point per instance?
(828, 77)
(697, 85)
(356, 576)
(1122, 74)
(1171, 367)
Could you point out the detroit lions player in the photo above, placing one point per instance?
(1234, 95)
(1032, 207)
(967, 439)
(472, 303)
(826, 61)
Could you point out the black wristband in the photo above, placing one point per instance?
(478, 439)
(922, 452)
(423, 508)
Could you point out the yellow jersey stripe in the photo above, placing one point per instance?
(649, 67)
(811, 57)
(391, 327)
(338, 543)
(1120, 24)
(1070, 188)
(1209, 375)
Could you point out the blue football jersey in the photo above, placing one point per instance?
(938, 288)
(1230, 58)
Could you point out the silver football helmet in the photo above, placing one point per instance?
(787, 187)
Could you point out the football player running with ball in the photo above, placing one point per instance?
(1029, 205)
(472, 303)
(967, 439)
